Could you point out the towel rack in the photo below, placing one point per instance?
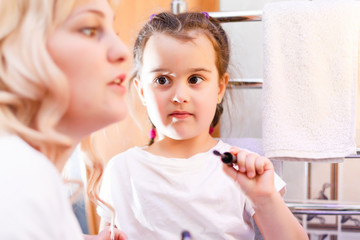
(240, 16)
(247, 82)
(236, 16)
(323, 208)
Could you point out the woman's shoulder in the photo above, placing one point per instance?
(34, 188)
(19, 158)
(26, 168)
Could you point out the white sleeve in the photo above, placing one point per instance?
(278, 182)
(34, 206)
(249, 208)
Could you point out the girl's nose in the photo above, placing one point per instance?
(118, 51)
(181, 94)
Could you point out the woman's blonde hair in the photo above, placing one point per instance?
(34, 93)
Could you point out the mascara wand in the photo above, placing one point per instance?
(226, 157)
(185, 235)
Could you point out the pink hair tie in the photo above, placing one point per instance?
(152, 134)
(206, 14)
(211, 130)
(152, 16)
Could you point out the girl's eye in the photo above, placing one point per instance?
(162, 80)
(90, 31)
(195, 80)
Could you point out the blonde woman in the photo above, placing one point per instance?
(60, 79)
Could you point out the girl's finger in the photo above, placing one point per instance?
(241, 156)
(250, 165)
(120, 235)
(259, 164)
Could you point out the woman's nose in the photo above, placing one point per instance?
(118, 51)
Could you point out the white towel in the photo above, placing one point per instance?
(310, 73)
(357, 128)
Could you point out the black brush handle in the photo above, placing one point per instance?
(227, 157)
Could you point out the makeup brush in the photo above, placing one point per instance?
(226, 157)
(185, 235)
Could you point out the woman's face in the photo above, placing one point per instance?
(88, 51)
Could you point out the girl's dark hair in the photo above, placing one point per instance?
(178, 26)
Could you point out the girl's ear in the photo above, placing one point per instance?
(139, 89)
(222, 85)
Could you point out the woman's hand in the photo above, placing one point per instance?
(105, 235)
(254, 173)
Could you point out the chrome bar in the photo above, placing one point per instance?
(236, 16)
(178, 6)
(324, 208)
(357, 155)
(246, 82)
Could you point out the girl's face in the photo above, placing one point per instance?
(179, 84)
(86, 48)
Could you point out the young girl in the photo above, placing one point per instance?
(60, 79)
(177, 182)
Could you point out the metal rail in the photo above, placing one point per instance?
(324, 208)
(236, 16)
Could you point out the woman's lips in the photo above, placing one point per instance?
(117, 84)
(118, 80)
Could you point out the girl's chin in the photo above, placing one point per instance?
(182, 137)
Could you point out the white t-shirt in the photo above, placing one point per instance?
(33, 201)
(157, 197)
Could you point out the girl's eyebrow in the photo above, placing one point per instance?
(160, 70)
(200, 70)
(190, 70)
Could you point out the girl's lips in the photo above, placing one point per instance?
(180, 115)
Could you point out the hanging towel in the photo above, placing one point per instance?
(357, 128)
(310, 76)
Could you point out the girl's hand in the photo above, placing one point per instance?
(105, 235)
(255, 174)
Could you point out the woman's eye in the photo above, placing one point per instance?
(162, 80)
(90, 31)
(195, 80)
